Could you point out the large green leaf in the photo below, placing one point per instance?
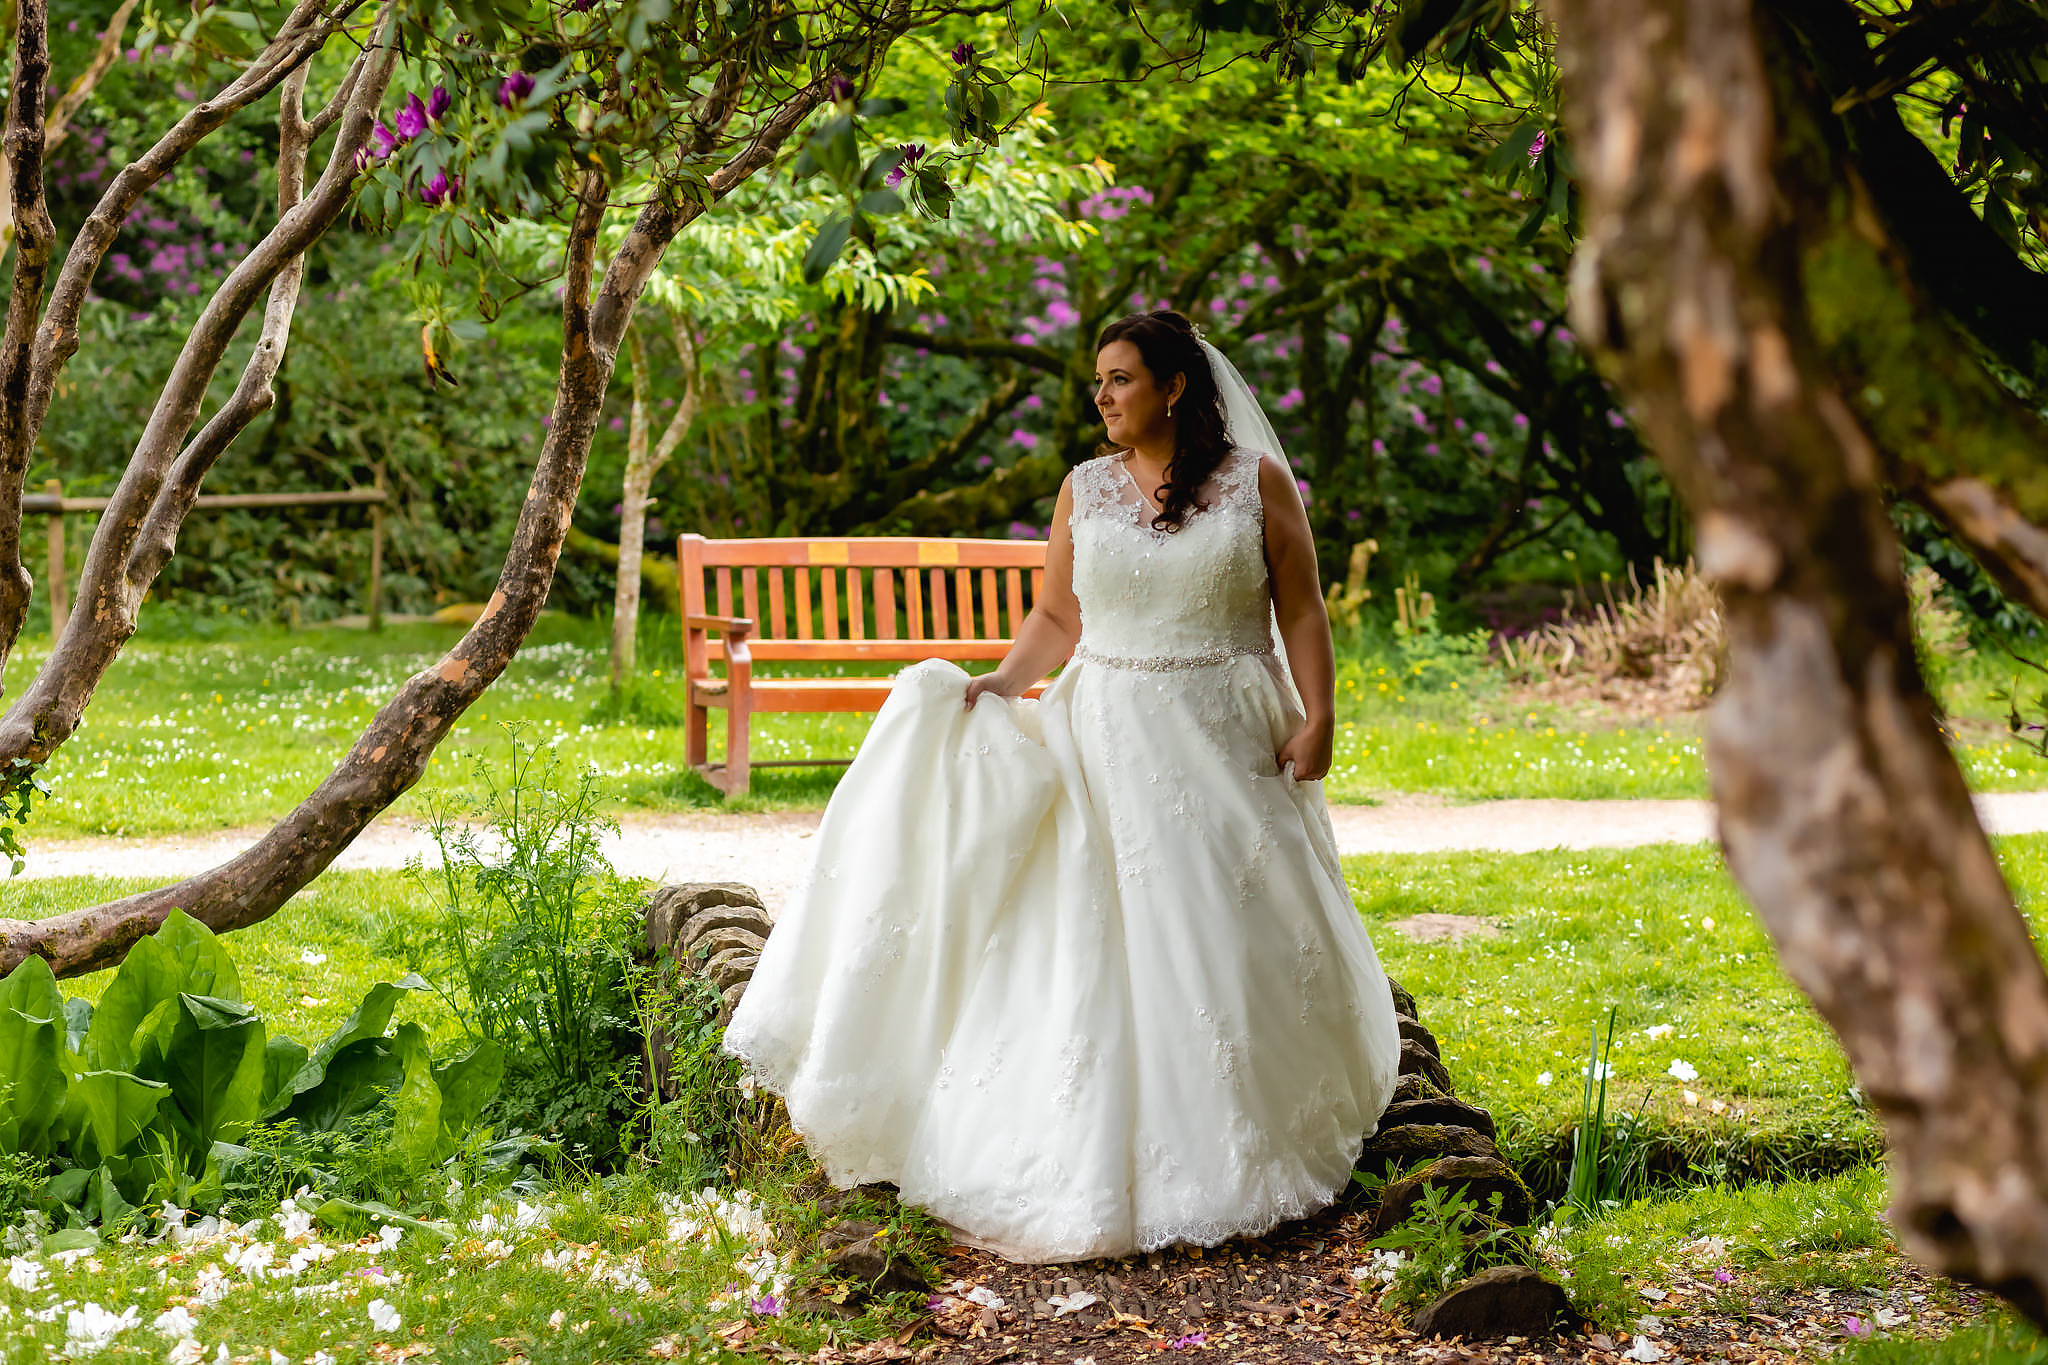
(211, 1052)
(105, 1110)
(183, 957)
(31, 1056)
(356, 1080)
(416, 1101)
(369, 1020)
(283, 1059)
(468, 1083)
(77, 1019)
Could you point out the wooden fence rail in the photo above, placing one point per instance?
(52, 503)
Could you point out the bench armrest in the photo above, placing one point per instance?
(734, 628)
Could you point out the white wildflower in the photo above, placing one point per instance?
(311, 958)
(293, 1222)
(320, 1358)
(388, 1235)
(24, 1274)
(186, 1352)
(1683, 1070)
(252, 1260)
(1544, 1078)
(383, 1316)
(1644, 1350)
(1657, 1030)
(1599, 1071)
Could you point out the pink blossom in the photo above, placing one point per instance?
(411, 120)
(514, 88)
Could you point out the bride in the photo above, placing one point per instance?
(1081, 975)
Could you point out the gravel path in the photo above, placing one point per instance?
(769, 851)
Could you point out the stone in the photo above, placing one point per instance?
(1417, 1060)
(1432, 927)
(1437, 1109)
(1417, 1033)
(733, 967)
(1404, 1003)
(856, 1251)
(1478, 1177)
(679, 913)
(725, 936)
(1395, 1148)
(1410, 1086)
(1506, 1301)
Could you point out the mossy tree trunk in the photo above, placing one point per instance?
(1728, 245)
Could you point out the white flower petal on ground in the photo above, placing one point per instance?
(383, 1316)
(311, 958)
(25, 1274)
(1683, 1070)
(1544, 1078)
(1063, 1304)
(1888, 1319)
(1657, 1030)
(90, 1329)
(388, 1236)
(983, 1295)
(186, 1352)
(1644, 1350)
(175, 1322)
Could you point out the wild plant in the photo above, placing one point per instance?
(1446, 1238)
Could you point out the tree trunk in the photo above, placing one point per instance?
(1717, 212)
(393, 751)
(643, 462)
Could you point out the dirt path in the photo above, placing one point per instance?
(770, 851)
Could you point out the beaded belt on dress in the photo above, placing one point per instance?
(1155, 662)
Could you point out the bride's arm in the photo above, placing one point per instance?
(1304, 623)
(1054, 623)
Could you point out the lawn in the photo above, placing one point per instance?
(1765, 1148)
(188, 735)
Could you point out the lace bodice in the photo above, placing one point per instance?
(1148, 594)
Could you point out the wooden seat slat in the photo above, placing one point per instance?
(949, 607)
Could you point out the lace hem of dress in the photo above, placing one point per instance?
(1154, 663)
(1298, 1194)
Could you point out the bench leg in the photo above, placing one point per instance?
(696, 735)
(736, 759)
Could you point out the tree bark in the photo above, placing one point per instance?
(643, 462)
(35, 239)
(1715, 205)
(137, 532)
(393, 751)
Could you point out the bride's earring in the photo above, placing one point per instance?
(1169, 409)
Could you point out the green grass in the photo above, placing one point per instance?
(209, 734)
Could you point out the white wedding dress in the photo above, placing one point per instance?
(1081, 976)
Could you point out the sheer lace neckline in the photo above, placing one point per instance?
(1123, 462)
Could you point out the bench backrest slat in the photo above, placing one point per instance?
(960, 599)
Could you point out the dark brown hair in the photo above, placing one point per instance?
(1166, 342)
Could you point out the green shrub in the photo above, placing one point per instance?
(152, 1095)
(1446, 1238)
(536, 936)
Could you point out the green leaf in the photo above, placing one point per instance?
(355, 1082)
(881, 107)
(107, 1110)
(183, 957)
(31, 1056)
(70, 1239)
(369, 1020)
(212, 1054)
(936, 193)
(416, 1102)
(881, 202)
(831, 240)
(467, 1083)
(836, 150)
(358, 1217)
(77, 1019)
(283, 1059)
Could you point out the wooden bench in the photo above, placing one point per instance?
(853, 600)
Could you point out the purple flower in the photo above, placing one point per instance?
(581, 6)
(963, 53)
(438, 190)
(1023, 530)
(842, 88)
(768, 1306)
(1855, 1326)
(514, 88)
(1536, 147)
(618, 424)
(438, 102)
(382, 142)
(1192, 1339)
(913, 152)
(1722, 1275)
(411, 120)
(1023, 438)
